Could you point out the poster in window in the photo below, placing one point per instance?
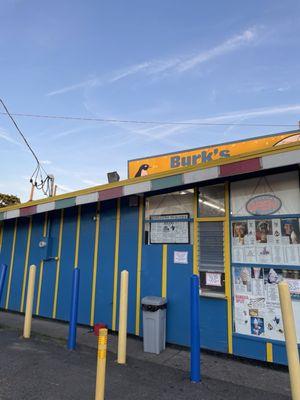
(291, 254)
(274, 325)
(290, 230)
(239, 232)
(277, 255)
(256, 301)
(264, 231)
(266, 241)
(170, 228)
(276, 226)
(242, 280)
(250, 255)
(264, 254)
(257, 282)
(257, 326)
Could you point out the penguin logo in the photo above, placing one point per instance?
(143, 170)
(288, 140)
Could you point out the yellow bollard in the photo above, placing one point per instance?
(29, 302)
(122, 336)
(290, 339)
(101, 364)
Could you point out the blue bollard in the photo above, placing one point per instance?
(74, 310)
(2, 278)
(195, 330)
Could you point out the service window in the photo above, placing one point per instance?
(211, 257)
(211, 207)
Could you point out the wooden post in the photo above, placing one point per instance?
(290, 338)
(29, 302)
(122, 336)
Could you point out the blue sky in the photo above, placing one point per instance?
(225, 62)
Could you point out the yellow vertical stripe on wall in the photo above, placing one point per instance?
(95, 264)
(60, 236)
(1, 234)
(26, 263)
(37, 310)
(11, 265)
(195, 234)
(77, 237)
(228, 269)
(164, 270)
(139, 267)
(269, 351)
(116, 267)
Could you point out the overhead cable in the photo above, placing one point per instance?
(145, 122)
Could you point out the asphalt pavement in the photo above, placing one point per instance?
(43, 368)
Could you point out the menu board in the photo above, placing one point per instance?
(171, 228)
(266, 241)
(256, 301)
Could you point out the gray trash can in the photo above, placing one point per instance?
(154, 323)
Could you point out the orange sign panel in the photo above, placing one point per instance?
(202, 155)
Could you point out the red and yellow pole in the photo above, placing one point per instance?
(101, 364)
(290, 338)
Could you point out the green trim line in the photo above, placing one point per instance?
(169, 181)
(59, 204)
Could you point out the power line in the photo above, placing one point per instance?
(44, 183)
(19, 130)
(142, 122)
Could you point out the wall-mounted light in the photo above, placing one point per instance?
(113, 177)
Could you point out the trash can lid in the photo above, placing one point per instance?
(154, 300)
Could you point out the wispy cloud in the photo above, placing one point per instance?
(256, 112)
(172, 65)
(185, 63)
(68, 132)
(6, 136)
(134, 69)
(65, 188)
(90, 182)
(228, 46)
(163, 131)
(76, 86)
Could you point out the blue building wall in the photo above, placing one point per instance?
(5, 254)
(213, 312)
(105, 265)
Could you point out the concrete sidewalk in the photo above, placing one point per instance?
(222, 377)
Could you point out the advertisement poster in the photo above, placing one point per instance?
(266, 241)
(256, 301)
(169, 229)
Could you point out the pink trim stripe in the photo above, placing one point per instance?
(24, 212)
(111, 193)
(240, 167)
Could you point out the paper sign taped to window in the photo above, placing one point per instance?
(180, 257)
(294, 285)
(213, 279)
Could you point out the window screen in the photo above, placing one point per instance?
(211, 246)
